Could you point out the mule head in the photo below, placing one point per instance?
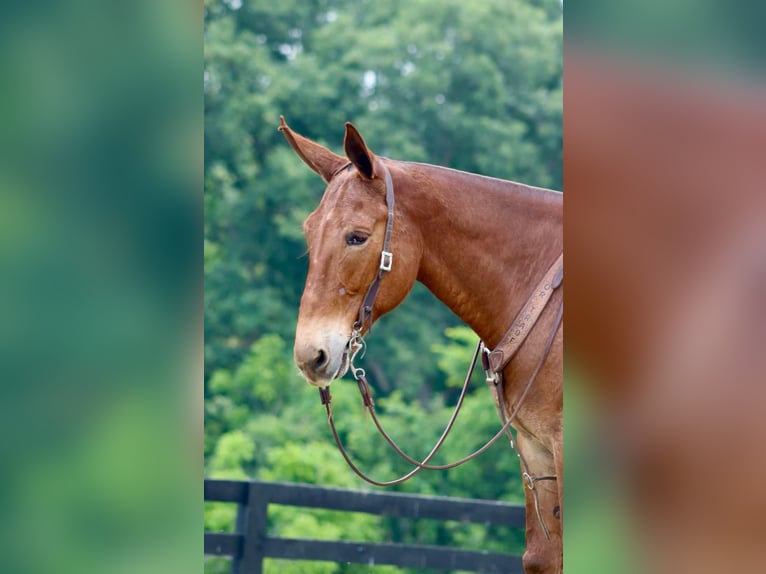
(345, 238)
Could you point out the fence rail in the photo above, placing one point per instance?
(250, 543)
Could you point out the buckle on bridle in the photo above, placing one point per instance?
(489, 375)
(386, 259)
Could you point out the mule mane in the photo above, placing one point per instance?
(501, 183)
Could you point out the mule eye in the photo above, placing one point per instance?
(355, 238)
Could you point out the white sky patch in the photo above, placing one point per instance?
(369, 81)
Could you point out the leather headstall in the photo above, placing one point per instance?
(364, 320)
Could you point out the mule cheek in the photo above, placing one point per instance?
(355, 271)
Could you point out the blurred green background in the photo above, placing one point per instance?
(724, 37)
(473, 86)
(100, 286)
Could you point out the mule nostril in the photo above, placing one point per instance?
(320, 360)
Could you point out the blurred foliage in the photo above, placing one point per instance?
(712, 35)
(600, 537)
(474, 86)
(100, 223)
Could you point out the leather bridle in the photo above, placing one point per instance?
(386, 260)
(364, 319)
(493, 363)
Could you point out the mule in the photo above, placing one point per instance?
(480, 245)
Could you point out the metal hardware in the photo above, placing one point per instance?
(490, 376)
(386, 259)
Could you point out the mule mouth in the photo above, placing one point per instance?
(344, 365)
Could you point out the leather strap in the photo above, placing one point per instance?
(522, 325)
(495, 382)
(369, 404)
(364, 320)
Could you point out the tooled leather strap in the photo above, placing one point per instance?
(386, 260)
(496, 386)
(522, 325)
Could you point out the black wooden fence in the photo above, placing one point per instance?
(250, 543)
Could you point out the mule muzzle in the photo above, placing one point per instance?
(320, 364)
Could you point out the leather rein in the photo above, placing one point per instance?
(493, 363)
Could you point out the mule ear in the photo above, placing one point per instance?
(317, 157)
(358, 152)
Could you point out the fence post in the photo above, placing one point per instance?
(239, 527)
(253, 529)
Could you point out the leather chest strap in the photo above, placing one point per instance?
(522, 325)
